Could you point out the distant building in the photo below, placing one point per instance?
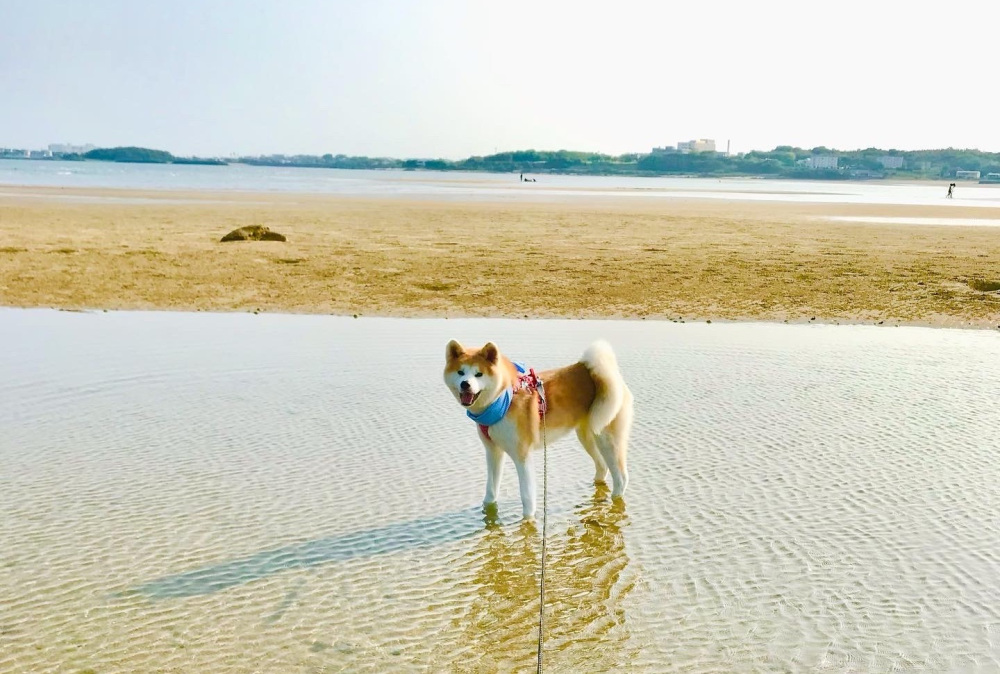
(66, 148)
(822, 161)
(700, 145)
(967, 175)
(890, 162)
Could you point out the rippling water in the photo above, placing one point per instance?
(193, 492)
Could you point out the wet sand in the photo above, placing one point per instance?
(566, 256)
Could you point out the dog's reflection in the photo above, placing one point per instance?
(586, 579)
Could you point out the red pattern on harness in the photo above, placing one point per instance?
(530, 382)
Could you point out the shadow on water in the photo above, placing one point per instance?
(391, 538)
(588, 578)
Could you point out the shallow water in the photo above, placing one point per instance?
(194, 492)
(467, 186)
(882, 220)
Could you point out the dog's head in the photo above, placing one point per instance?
(473, 376)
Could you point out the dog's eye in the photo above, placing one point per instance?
(479, 374)
(461, 373)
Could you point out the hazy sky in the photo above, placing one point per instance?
(428, 78)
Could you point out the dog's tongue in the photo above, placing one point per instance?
(468, 397)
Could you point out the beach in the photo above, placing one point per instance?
(238, 242)
(192, 487)
(565, 255)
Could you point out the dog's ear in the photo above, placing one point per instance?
(453, 350)
(490, 352)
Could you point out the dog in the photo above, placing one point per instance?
(507, 401)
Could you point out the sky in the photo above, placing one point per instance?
(455, 78)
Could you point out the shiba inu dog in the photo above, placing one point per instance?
(507, 401)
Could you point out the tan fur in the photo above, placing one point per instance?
(572, 394)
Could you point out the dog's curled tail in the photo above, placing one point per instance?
(600, 360)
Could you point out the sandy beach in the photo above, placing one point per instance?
(566, 256)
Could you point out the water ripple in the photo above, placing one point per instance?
(803, 498)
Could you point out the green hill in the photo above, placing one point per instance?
(133, 155)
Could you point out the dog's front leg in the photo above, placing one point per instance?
(526, 481)
(494, 471)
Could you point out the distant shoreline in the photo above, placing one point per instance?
(180, 161)
(784, 162)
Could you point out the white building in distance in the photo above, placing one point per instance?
(822, 161)
(66, 148)
(890, 162)
(700, 145)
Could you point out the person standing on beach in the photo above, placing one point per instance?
(951, 188)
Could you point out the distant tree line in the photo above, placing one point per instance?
(783, 161)
(135, 155)
(141, 155)
(916, 163)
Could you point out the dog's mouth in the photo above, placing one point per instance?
(468, 397)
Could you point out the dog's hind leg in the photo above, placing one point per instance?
(494, 472)
(589, 442)
(613, 444)
(616, 463)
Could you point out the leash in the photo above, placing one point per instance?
(545, 522)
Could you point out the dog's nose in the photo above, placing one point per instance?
(465, 385)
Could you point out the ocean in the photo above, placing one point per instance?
(477, 186)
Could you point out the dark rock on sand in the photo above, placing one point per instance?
(253, 233)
